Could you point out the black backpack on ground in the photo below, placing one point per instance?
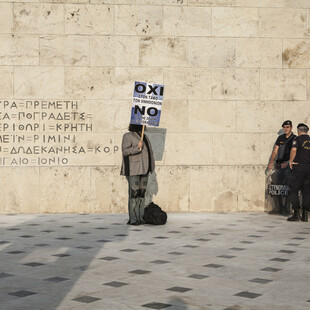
(154, 215)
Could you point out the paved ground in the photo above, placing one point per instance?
(196, 261)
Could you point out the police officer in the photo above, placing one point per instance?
(279, 160)
(300, 180)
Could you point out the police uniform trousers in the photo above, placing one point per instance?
(283, 177)
(300, 181)
(136, 189)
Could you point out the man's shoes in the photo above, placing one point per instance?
(142, 222)
(304, 216)
(295, 217)
(134, 223)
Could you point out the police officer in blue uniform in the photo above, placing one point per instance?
(279, 161)
(300, 180)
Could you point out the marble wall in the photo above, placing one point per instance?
(233, 70)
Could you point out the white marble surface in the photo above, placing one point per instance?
(233, 71)
(227, 253)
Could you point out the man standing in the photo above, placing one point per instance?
(281, 155)
(300, 165)
(138, 162)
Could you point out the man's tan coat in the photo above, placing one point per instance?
(136, 161)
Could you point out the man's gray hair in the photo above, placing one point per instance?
(303, 128)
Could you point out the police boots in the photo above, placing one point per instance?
(295, 217)
(304, 216)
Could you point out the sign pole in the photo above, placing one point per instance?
(142, 134)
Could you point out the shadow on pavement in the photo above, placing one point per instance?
(44, 257)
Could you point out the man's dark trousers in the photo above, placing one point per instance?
(282, 177)
(300, 181)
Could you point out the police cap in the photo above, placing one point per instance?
(302, 125)
(288, 122)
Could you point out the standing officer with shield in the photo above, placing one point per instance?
(279, 160)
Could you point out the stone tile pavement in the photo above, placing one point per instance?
(197, 261)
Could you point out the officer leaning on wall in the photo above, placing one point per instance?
(279, 160)
(300, 180)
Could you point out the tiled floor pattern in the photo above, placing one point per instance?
(196, 261)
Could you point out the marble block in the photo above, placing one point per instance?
(260, 3)
(39, 18)
(213, 189)
(211, 2)
(175, 81)
(132, 2)
(187, 83)
(258, 53)
(38, 82)
(103, 115)
(24, 50)
(296, 53)
(114, 50)
(169, 188)
(297, 4)
(21, 194)
(235, 22)
(251, 186)
(122, 114)
(188, 149)
(65, 190)
(88, 19)
(284, 23)
(163, 51)
(267, 144)
(282, 84)
(6, 82)
(74, 1)
(297, 112)
(109, 190)
(175, 115)
(64, 50)
(167, 2)
(236, 148)
(234, 84)
(89, 82)
(138, 20)
(6, 17)
(212, 116)
(211, 52)
(259, 116)
(186, 21)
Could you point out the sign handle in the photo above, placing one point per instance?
(142, 135)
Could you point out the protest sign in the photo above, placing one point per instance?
(146, 104)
